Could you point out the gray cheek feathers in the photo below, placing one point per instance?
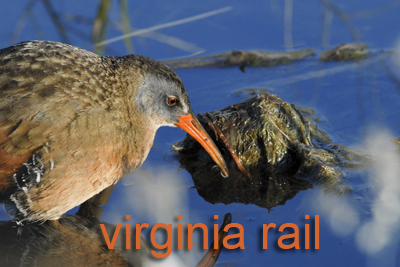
(153, 93)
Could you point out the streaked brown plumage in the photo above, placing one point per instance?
(73, 123)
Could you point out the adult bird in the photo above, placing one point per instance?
(73, 123)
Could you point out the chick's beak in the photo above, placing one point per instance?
(191, 125)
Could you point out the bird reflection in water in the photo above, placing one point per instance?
(77, 240)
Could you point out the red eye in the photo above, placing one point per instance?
(172, 101)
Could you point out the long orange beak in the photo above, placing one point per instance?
(192, 126)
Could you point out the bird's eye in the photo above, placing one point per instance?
(172, 101)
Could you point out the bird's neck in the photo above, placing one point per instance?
(135, 135)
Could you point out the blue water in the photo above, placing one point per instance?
(352, 99)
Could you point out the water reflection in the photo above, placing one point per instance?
(84, 240)
(265, 190)
(371, 216)
(70, 241)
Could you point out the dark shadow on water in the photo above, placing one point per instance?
(267, 192)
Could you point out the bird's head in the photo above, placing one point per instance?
(162, 96)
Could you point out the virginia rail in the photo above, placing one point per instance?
(73, 123)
